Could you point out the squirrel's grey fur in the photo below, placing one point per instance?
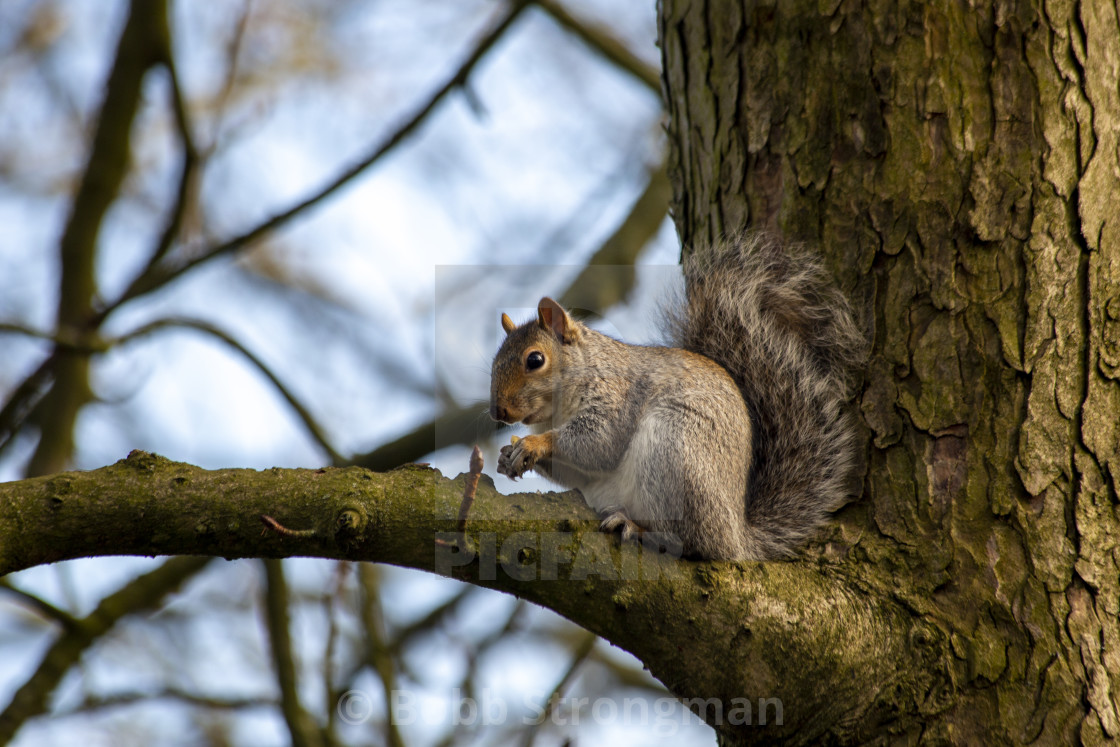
(771, 316)
(740, 460)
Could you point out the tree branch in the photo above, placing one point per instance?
(137, 51)
(188, 182)
(621, 249)
(578, 658)
(837, 658)
(601, 40)
(313, 428)
(162, 273)
(456, 425)
(24, 399)
(301, 726)
(378, 655)
(42, 606)
(194, 700)
(139, 595)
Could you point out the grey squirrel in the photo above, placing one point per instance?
(735, 441)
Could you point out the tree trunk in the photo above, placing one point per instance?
(958, 166)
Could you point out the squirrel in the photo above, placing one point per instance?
(736, 442)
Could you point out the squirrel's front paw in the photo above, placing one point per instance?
(512, 461)
(520, 457)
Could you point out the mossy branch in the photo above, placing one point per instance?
(838, 660)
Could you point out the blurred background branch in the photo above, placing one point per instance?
(158, 276)
(139, 595)
(301, 726)
(145, 35)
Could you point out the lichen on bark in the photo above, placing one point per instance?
(956, 164)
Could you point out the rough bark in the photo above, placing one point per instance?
(958, 163)
(840, 660)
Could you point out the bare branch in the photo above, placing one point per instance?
(139, 595)
(431, 621)
(455, 426)
(331, 602)
(590, 290)
(309, 422)
(144, 34)
(198, 700)
(301, 725)
(578, 658)
(66, 338)
(601, 40)
(42, 606)
(188, 177)
(163, 273)
(23, 401)
(378, 652)
(233, 58)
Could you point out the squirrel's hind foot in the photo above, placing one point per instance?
(615, 519)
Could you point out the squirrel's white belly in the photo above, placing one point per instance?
(622, 488)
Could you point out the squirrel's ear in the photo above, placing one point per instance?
(507, 324)
(552, 318)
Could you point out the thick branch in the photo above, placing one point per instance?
(144, 34)
(839, 661)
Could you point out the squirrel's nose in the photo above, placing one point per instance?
(499, 413)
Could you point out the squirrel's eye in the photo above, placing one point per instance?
(534, 361)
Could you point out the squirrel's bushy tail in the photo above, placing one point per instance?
(772, 317)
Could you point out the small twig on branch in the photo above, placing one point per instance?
(279, 528)
(469, 490)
